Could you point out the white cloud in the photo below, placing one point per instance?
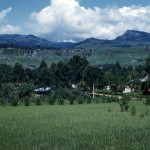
(4, 13)
(66, 20)
(9, 29)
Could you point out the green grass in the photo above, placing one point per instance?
(76, 127)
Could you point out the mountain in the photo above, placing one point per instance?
(133, 35)
(30, 41)
(129, 39)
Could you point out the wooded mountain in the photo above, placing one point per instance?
(31, 40)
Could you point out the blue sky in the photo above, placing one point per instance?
(73, 20)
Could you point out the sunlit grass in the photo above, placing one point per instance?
(74, 127)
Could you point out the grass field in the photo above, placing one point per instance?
(74, 127)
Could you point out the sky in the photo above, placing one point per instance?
(74, 20)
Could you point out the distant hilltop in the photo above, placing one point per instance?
(31, 40)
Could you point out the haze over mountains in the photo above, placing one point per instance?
(31, 40)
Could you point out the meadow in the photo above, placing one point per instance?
(74, 127)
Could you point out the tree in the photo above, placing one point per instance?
(77, 65)
(43, 64)
(18, 73)
(44, 78)
(93, 75)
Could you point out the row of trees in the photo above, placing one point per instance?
(75, 71)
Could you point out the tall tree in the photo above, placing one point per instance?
(18, 73)
(77, 65)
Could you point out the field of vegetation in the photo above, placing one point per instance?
(92, 126)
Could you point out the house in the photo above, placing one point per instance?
(44, 90)
(128, 90)
(74, 86)
(107, 88)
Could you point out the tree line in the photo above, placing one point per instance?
(75, 71)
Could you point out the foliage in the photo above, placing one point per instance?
(61, 101)
(88, 99)
(147, 101)
(133, 111)
(38, 101)
(8, 90)
(18, 73)
(51, 100)
(71, 100)
(104, 98)
(124, 103)
(14, 102)
(2, 101)
(27, 101)
(25, 89)
(80, 100)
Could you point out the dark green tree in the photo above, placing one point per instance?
(18, 73)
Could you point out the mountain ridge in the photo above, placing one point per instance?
(32, 40)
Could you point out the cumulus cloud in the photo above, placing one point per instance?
(66, 20)
(9, 29)
(4, 13)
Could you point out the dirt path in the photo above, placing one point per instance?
(105, 95)
(113, 95)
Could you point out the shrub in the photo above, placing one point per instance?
(104, 99)
(88, 99)
(97, 100)
(147, 112)
(14, 102)
(108, 99)
(80, 100)
(76, 93)
(51, 100)
(71, 100)
(62, 93)
(109, 110)
(38, 101)
(124, 103)
(141, 115)
(114, 99)
(27, 101)
(133, 111)
(147, 101)
(8, 90)
(25, 89)
(61, 101)
(2, 101)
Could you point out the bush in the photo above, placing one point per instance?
(71, 100)
(104, 99)
(62, 93)
(124, 103)
(147, 101)
(80, 100)
(25, 89)
(61, 101)
(133, 111)
(27, 101)
(88, 99)
(2, 101)
(97, 100)
(109, 110)
(8, 90)
(108, 99)
(147, 112)
(51, 100)
(14, 102)
(38, 101)
(114, 99)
